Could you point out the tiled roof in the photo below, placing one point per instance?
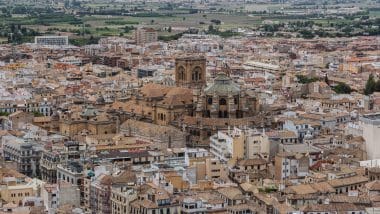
(347, 181)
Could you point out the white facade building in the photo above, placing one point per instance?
(51, 40)
(370, 124)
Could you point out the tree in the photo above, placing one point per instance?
(211, 28)
(37, 114)
(342, 88)
(327, 80)
(4, 113)
(305, 80)
(370, 86)
(377, 86)
(170, 29)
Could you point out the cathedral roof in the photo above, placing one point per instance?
(222, 86)
(89, 111)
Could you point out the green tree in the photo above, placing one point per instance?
(211, 28)
(342, 88)
(37, 114)
(305, 80)
(327, 80)
(370, 86)
(4, 113)
(377, 86)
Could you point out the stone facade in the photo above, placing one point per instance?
(190, 72)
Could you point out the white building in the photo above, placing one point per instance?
(370, 124)
(222, 144)
(51, 40)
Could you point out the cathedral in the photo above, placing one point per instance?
(190, 72)
(216, 106)
(196, 105)
(221, 99)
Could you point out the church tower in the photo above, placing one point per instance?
(190, 72)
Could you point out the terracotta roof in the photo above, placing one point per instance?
(7, 172)
(349, 199)
(373, 186)
(302, 189)
(323, 187)
(106, 180)
(339, 208)
(282, 134)
(232, 193)
(42, 119)
(347, 181)
(250, 162)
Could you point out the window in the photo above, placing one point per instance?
(222, 101)
(196, 74)
(209, 101)
(181, 73)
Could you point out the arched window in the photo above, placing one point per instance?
(181, 73)
(225, 114)
(222, 101)
(209, 100)
(196, 74)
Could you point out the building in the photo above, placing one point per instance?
(232, 196)
(48, 166)
(106, 193)
(26, 154)
(303, 128)
(239, 143)
(16, 186)
(291, 166)
(215, 169)
(153, 199)
(345, 185)
(370, 124)
(71, 172)
(249, 170)
(89, 119)
(224, 99)
(145, 35)
(51, 40)
(227, 145)
(58, 195)
(120, 199)
(145, 72)
(190, 72)
(203, 202)
(333, 208)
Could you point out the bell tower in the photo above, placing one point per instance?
(190, 72)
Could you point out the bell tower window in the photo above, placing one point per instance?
(222, 101)
(181, 73)
(196, 74)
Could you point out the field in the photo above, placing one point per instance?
(119, 19)
(106, 25)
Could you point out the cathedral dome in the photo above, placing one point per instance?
(222, 86)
